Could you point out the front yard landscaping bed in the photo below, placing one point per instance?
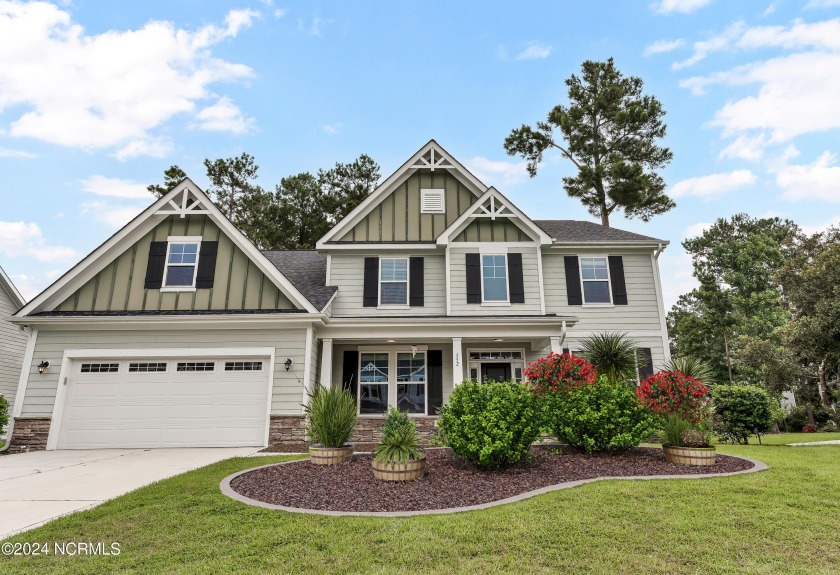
(449, 481)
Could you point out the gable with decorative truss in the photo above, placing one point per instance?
(493, 218)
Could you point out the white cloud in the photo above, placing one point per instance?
(107, 90)
(314, 28)
(695, 230)
(497, 172)
(662, 46)
(750, 148)
(713, 185)
(155, 147)
(770, 9)
(683, 6)
(224, 116)
(817, 181)
(819, 228)
(280, 12)
(112, 215)
(535, 51)
(331, 129)
(822, 4)
(819, 35)
(676, 270)
(7, 153)
(115, 188)
(22, 239)
(703, 48)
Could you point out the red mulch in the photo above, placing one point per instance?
(449, 481)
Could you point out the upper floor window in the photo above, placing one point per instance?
(595, 277)
(494, 284)
(393, 281)
(181, 264)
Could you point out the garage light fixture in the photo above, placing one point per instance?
(43, 366)
(288, 363)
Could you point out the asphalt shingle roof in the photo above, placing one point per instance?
(307, 270)
(582, 231)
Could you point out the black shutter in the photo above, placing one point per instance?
(371, 291)
(157, 262)
(515, 282)
(645, 360)
(434, 373)
(415, 281)
(619, 289)
(206, 265)
(473, 278)
(573, 280)
(349, 371)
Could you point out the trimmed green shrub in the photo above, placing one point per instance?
(330, 416)
(4, 416)
(490, 424)
(740, 411)
(605, 416)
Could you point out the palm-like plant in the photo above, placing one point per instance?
(612, 354)
(692, 367)
(398, 447)
(331, 416)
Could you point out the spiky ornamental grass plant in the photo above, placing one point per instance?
(612, 354)
(399, 441)
(692, 367)
(330, 416)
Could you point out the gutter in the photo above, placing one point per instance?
(658, 251)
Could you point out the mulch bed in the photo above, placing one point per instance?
(449, 481)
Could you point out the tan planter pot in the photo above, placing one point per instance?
(330, 455)
(689, 455)
(411, 469)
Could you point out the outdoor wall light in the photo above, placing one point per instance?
(288, 363)
(43, 366)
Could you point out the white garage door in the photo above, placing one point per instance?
(165, 402)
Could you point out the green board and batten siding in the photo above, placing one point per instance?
(487, 230)
(12, 348)
(287, 393)
(238, 283)
(397, 218)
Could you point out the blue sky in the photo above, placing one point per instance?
(98, 98)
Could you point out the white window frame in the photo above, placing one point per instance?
(514, 363)
(506, 301)
(407, 284)
(424, 192)
(181, 240)
(608, 280)
(392, 382)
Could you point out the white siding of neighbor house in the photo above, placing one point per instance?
(287, 394)
(12, 348)
(458, 283)
(347, 271)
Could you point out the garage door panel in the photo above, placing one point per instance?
(164, 408)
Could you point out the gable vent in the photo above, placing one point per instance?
(432, 201)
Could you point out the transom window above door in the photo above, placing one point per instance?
(393, 281)
(181, 264)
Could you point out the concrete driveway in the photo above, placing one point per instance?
(41, 486)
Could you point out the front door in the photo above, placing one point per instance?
(495, 371)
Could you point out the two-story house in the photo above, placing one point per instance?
(177, 331)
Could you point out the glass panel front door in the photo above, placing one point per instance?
(495, 372)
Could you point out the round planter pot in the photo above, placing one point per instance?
(689, 455)
(411, 469)
(330, 455)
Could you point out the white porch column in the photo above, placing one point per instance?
(556, 344)
(457, 362)
(326, 362)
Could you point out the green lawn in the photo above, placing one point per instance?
(784, 520)
(786, 438)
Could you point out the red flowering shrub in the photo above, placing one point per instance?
(559, 373)
(810, 428)
(672, 392)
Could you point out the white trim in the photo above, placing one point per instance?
(388, 347)
(471, 182)
(376, 247)
(307, 364)
(112, 248)
(541, 279)
(606, 259)
(407, 282)
(14, 294)
(448, 263)
(71, 355)
(392, 351)
(497, 349)
(26, 368)
(657, 284)
(185, 240)
(536, 232)
(495, 302)
(326, 361)
(329, 269)
(457, 361)
(208, 321)
(608, 244)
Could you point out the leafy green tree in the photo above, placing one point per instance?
(230, 180)
(610, 132)
(300, 211)
(740, 411)
(346, 185)
(171, 178)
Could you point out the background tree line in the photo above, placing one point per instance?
(767, 310)
(300, 209)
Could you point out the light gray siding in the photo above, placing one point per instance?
(287, 393)
(641, 312)
(347, 272)
(12, 348)
(458, 283)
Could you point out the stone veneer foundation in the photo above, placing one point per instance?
(29, 434)
(291, 429)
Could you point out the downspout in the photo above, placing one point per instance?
(660, 248)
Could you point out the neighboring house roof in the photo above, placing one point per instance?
(307, 270)
(9, 287)
(564, 231)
